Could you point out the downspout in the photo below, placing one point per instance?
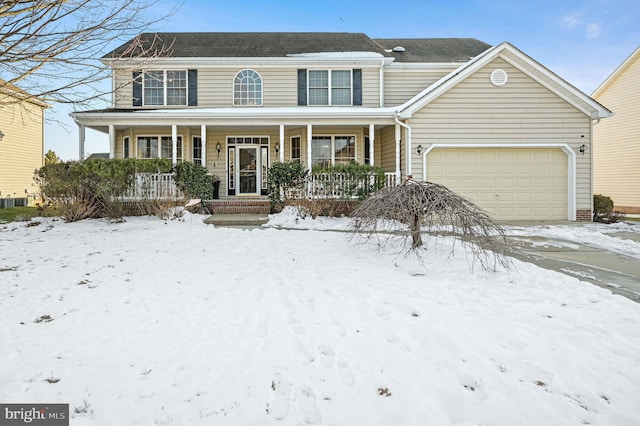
(409, 173)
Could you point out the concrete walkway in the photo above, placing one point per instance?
(237, 220)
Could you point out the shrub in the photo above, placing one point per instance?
(284, 180)
(603, 210)
(81, 190)
(194, 181)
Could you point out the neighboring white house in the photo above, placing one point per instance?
(488, 122)
(616, 141)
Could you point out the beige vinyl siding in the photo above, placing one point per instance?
(401, 86)
(280, 87)
(520, 112)
(388, 149)
(21, 148)
(616, 151)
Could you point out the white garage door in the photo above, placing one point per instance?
(510, 183)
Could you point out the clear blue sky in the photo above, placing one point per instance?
(583, 41)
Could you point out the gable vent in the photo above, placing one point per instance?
(499, 77)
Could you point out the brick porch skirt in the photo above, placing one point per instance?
(583, 216)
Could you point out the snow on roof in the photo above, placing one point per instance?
(336, 55)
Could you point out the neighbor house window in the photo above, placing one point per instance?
(295, 149)
(247, 88)
(329, 87)
(148, 147)
(330, 150)
(164, 87)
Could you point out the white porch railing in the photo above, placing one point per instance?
(153, 186)
(160, 186)
(339, 185)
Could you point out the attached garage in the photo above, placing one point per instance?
(510, 183)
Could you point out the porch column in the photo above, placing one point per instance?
(81, 137)
(112, 141)
(309, 137)
(372, 138)
(398, 141)
(174, 144)
(282, 143)
(203, 139)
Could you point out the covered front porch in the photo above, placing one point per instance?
(240, 150)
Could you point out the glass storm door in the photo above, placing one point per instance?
(247, 170)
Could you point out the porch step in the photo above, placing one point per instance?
(235, 206)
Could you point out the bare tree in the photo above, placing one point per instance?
(425, 208)
(50, 49)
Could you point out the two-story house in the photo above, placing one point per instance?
(488, 122)
(21, 145)
(616, 166)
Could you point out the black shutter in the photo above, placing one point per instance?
(192, 81)
(357, 87)
(137, 88)
(302, 87)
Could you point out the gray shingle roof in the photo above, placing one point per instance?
(434, 49)
(243, 45)
(276, 44)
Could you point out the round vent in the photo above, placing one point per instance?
(499, 77)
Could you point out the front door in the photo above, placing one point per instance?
(247, 172)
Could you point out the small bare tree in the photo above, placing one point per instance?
(425, 208)
(50, 48)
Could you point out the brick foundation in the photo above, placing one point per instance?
(583, 216)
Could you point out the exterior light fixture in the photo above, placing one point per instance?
(218, 149)
(582, 148)
(419, 149)
(1, 135)
(277, 147)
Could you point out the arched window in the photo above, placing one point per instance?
(247, 88)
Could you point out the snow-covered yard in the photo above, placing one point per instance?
(179, 323)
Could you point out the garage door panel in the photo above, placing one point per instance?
(510, 183)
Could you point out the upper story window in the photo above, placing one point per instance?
(247, 88)
(165, 88)
(330, 87)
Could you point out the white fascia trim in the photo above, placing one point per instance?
(207, 62)
(571, 164)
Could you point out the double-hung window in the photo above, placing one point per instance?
(329, 87)
(148, 147)
(330, 150)
(295, 149)
(165, 88)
